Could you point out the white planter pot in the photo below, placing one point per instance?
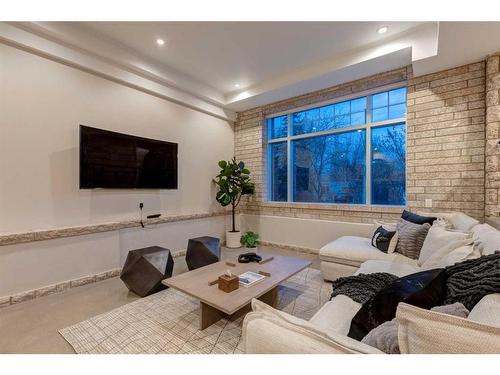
(233, 239)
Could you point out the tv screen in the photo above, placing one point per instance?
(120, 161)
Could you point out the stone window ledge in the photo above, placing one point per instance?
(50, 234)
(327, 207)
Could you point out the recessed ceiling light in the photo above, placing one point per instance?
(160, 42)
(382, 30)
(237, 85)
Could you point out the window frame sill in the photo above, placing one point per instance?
(332, 206)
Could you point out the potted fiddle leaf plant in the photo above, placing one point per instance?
(233, 182)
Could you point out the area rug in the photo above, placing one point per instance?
(167, 322)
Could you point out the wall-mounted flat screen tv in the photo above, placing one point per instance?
(121, 161)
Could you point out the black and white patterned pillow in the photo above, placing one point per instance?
(411, 237)
(383, 239)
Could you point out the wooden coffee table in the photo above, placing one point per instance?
(216, 304)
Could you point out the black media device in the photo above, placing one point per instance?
(249, 257)
(121, 161)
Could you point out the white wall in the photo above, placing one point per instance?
(42, 104)
(33, 265)
(173, 236)
(309, 233)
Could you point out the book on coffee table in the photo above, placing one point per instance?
(249, 278)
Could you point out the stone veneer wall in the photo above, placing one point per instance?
(446, 139)
(250, 147)
(453, 123)
(492, 208)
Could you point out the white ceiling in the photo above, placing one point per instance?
(221, 54)
(201, 61)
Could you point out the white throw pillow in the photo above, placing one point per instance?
(422, 331)
(440, 241)
(459, 220)
(443, 218)
(487, 310)
(462, 221)
(488, 237)
(455, 256)
(335, 316)
(390, 227)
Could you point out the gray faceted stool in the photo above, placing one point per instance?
(202, 251)
(145, 268)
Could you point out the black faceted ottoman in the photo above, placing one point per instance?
(145, 268)
(202, 251)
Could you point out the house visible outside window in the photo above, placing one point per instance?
(348, 152)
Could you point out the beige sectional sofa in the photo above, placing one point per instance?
(267, 330)
(345, 256)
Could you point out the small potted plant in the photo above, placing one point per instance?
(249, 240)
(233, 182)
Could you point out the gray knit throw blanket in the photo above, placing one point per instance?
(362, 287)
(467, 282)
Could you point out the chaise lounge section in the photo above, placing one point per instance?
(345, 255)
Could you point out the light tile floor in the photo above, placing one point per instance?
(32, 327)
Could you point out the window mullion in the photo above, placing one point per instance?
(388, 122)
(328, 132)
(289, 161)
(270, 183)
(368, 160)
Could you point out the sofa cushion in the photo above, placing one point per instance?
(385, 240)
(488, 238)
(335, 316)
(417, 219)
(487, 310)
(353, 250)
(428, 332)
(385, 336)
(411, 237)
(278, 329)
(391, 227)
(424, 289)
(440, 241)
(462, 221)
(399, 269)
(458, 220)
(445, 258)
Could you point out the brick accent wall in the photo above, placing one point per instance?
(492, 208)
(446, 140)
(250, 145)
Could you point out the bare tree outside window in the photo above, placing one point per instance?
(327, 150)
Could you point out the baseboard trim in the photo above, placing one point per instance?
(300, 249)
(57, 288)
(90, 279)
(65, 285)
